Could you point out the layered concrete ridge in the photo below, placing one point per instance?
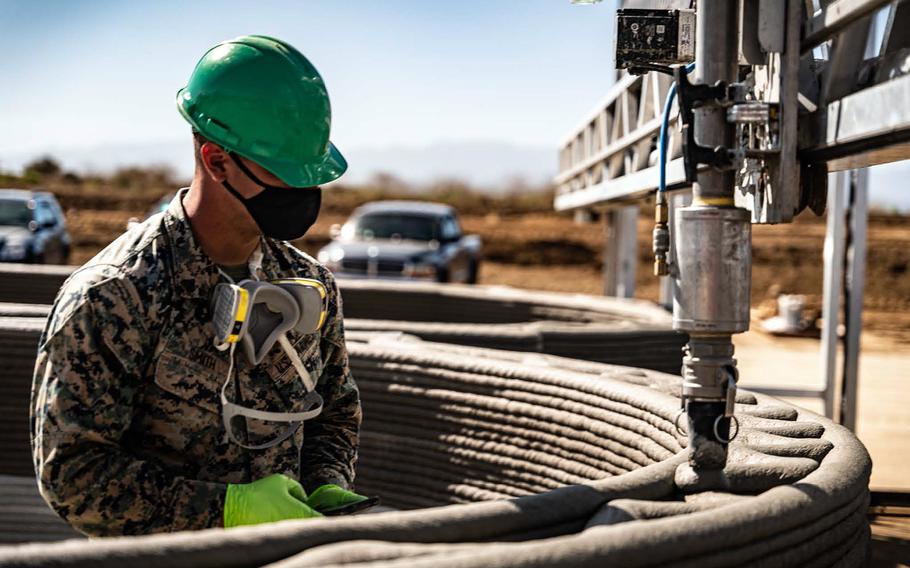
(549, 462)
(31, 283)
(608, 330)
(20, 330)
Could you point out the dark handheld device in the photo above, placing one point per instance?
(654, 37)
(357, 507)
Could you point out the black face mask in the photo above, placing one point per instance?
(281, 213)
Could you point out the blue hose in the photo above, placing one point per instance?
(664, 127)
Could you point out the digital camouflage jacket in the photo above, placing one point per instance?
(127, 434)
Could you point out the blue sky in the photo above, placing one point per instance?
(479, 89)
(414, 73)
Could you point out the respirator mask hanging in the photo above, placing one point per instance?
(257, 315)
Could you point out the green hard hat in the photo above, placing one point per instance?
(262, 99)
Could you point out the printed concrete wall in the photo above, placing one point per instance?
(517, 459)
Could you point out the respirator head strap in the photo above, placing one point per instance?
(312, 408)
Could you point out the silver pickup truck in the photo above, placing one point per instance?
(403, 239)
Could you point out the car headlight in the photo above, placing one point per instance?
(15, 250)
(331, 258)
(419, 270)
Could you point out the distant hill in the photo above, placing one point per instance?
(489, 165)
(492, 166)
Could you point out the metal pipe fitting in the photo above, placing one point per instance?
(708, 366)
(713, 270)
(713, 255)
(713, 275)
(709, 395)
(661, 236)
(717, 56)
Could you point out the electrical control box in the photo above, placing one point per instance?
(661, 37)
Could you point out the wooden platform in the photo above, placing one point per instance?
(889, 515)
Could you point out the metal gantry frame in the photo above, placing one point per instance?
(845, 261)
(620, 252)
(856, 113)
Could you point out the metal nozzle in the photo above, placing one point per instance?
(661, 268)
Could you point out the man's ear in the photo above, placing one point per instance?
(214, 159)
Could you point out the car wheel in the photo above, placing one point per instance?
(442, 275)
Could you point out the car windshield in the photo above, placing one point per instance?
(397, 226)
(15, 212)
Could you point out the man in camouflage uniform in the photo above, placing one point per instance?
(126, 420)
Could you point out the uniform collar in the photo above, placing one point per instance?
(275, 260)
(195, 274)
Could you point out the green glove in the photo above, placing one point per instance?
(273, 498)
(333, 500)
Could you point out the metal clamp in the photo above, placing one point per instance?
(732, 377)
(692, 96)
(676, 421)
(717, 435)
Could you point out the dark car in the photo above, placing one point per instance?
(403, 239)
(32, 228)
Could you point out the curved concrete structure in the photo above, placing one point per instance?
(549, 462)
(608, 330)
(19, 337)
(32, 283)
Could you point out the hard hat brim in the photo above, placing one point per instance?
(296, 174)
(331, 167)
